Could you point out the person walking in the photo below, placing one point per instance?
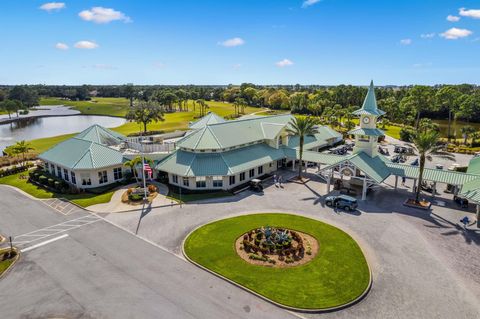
(280, 181)
(275, 180)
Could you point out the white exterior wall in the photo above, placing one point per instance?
(92, 173)
(267, 169)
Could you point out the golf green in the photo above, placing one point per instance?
(338, 275)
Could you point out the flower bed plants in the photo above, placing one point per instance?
(276, 247)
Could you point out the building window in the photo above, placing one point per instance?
(232, 180)
(280, 141)
(74, 178)
(59, 171)
(186, 181)
(217, 181)
(102, 177)
(86, 179)
(175, 178)
(117, 173)
(363, 138)
(65, 174)
(201, 182)
(251, 173)
(260, 170)
(242, 176)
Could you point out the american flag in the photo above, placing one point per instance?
(148, 169)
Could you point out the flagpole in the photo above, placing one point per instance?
(143, 172)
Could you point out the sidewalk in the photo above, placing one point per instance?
(116, 206)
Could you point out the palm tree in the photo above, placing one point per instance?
(426, 144)
(302, 126)
(466, 132)
(132, 164)
(23, 148)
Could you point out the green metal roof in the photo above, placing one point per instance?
(474, 166)
(369, 106)
(430, 174)
(323, 137)
(471, 190)
(367, 131)
(210, 118)
(77, 153)
(235, 133)
(373, 167)
(322, 158)
(101, 135)
(185, 163)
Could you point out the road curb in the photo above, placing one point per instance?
(301, 310)
(17, 257)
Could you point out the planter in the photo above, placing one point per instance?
(423, 204)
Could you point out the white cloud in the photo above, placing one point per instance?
(52, 6)
(236, 66)
(308, 3)
(471, 13)
(456, 33)
(233, 42)
(452, 18)
(422, 65)
(86, 45)
(103, 15)
(284, 63)
(406, 41)
(427, 35)
(61, 46)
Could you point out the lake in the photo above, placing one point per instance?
(456, 127)
(39, 127)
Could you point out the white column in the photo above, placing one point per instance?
(396, 182)
(318, 167)
(329, 181)
(478, 215)
(293, 165)
(364, 190)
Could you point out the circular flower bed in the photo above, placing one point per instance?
(276, 247)
(336, 275)
(135, 196)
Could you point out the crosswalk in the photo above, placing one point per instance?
(61, 205)
(50, 231)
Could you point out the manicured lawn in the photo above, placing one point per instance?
(337, 275)
(173, 121)
(84, 199)
(97, 106)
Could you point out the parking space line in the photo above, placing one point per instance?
(43, 243)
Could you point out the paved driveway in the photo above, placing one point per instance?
(424, 266)
(97, 270)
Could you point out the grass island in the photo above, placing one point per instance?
(338, 273)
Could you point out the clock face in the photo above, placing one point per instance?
(366, 120)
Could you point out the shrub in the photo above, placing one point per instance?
(152, 188)
(43, 179)
(57, 185)
(406, 134)
(135, 197)
(257, 257)
(51, 182)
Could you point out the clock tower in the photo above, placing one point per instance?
(367, 134)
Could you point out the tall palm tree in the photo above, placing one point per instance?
(23, 148)
(427, 146)
(134, 163)
(467, 131)
(302, 126)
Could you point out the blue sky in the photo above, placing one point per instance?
(235, 41)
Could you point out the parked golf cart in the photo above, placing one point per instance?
(256, 185)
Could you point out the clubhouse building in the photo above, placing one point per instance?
(215, 154)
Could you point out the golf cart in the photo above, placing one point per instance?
(256, 185)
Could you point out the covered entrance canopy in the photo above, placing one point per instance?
(374, 170)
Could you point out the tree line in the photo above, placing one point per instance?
(403, 104)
